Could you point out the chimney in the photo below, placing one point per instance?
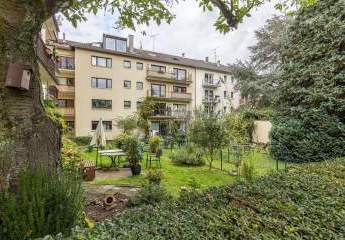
(206, 59)
(131, 43)
(183, 54)
(64, 37)
(218, 63)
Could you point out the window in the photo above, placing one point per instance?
(140, 85)
(115, 44)
(139, 104)
(209, 77)
(225, 78)
(208, 94)
(66, 62)
(157, 90)
(127, 84)
(158, 68)
(225, 109)
(140, 66)
(126, 64)
(121, 45)
(101, 61)
(65, 103)
(225, 94)
(101, 83)
(127, 104)
(180, 74)
(179, 89)
(107, 125)
(232, 95)
(100, 103)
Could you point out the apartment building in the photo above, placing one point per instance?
(110, 79)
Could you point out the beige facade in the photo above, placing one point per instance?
(98, 82)
(139, 83)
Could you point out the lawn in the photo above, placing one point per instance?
(176, 177)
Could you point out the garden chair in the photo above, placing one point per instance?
(154, 158)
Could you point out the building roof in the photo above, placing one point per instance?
(152, 56)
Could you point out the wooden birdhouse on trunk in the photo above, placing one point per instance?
(18, 76)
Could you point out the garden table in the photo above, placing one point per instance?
(113, 155)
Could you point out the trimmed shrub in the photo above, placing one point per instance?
(188, 155)
(43, 203)
(315, 136)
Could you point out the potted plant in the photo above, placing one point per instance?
(154, 143)
(134, 150)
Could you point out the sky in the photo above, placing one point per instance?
(191, 32)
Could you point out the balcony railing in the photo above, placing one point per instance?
(45, 58)
(168, 113)
(168, 77)
(210, 83)
(170, 95)
(211, 100)
(66, 111)
(65, 92)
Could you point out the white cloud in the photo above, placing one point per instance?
(192, 32)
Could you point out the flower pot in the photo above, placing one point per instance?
(136, 170)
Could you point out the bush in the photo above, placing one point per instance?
(315, 136)
(248, 171)
(188, 155)
(150, 194)
(44, 203)
(304, 203)
(119, 141)
(134, 149)
(71, 155)
(82, 141)
(154, 176)
(154, 143)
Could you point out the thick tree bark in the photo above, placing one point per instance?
(35, 138)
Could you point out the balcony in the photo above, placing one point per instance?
(211, 100)
(170, 77)
(65, 92)
(170, 96)
(207, 83)
(45, 56)
(170, 114)
(66, 111)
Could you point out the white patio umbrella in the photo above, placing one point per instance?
(98, 138)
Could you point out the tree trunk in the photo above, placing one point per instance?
(35, 139)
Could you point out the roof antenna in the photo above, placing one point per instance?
(153, 36)
(215, 54)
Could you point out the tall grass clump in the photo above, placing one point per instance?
(42, 203)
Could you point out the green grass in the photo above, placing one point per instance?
(176, 177)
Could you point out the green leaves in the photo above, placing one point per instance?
(305, 203)
(311, 93)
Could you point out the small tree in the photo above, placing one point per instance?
(127, 124)
(145, 111)
(209, 132)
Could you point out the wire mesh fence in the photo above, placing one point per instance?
(231, 158)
